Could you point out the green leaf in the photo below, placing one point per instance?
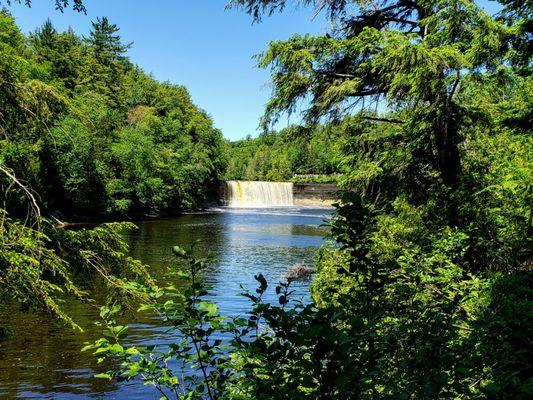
(210, 307)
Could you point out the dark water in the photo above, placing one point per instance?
(42, 359)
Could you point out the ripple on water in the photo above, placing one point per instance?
(43, 360)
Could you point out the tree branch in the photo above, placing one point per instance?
(27, 191)
(389, 120)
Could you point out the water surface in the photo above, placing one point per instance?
(43, 360)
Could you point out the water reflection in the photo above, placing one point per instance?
(42, 359)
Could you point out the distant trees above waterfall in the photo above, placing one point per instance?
(315, 153)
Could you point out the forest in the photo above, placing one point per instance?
(422, 112)
(92, 134)
(293, 153)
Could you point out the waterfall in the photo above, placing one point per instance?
(251, 194)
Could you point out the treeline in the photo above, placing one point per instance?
(92, 134)
(280, 156)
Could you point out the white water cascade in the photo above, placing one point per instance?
(252, 194)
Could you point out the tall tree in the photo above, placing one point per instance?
(404, 57)
(105, 42)
(108, 62)
(61, 51)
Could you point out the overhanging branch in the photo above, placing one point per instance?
(389, 120)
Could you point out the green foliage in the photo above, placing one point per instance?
(26, 262)
(193, 321)
(77, 5)
(407, 327)
(59, 55)
(94, 135)
(425, 292)
(85, 134)
(295, 153)
(409, 59)
(40, 265)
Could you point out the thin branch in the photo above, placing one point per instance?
(389, 120)
(27, 191)
(466, 328)
(343, 75)
(369, 92)
(455, 85)
(400, 21)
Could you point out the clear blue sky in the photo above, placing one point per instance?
(196, 43)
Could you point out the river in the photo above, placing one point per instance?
(42, 359)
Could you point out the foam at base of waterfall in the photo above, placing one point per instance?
(255, 194)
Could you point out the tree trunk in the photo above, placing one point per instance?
(448, 158)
